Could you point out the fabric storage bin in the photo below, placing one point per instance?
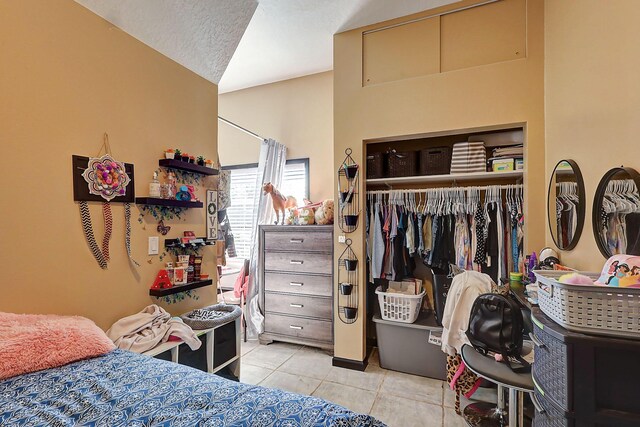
(413, 348)
(375, 165)
(402, 163)
(468, 157)
(435, 161)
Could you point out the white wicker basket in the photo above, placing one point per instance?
(399, 307)
(600, 310)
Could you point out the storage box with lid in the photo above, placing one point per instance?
(402, 163)
(413, 348)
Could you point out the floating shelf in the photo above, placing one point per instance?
(459, 177)
(175, 243)
(167, 202)
(186, 166)
(180, 288)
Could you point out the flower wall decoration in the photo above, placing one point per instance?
(106, 177)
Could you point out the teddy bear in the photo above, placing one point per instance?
(324, 214)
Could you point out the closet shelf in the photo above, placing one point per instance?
(168, 202)
(459, 177)
(186, 166)
(180, 288)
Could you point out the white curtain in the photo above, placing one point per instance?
(273, 157)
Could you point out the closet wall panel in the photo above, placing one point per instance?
(401, 52)
(467, 43)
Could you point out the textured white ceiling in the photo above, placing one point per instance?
(293, 38)
(283, 40)
(201, 35)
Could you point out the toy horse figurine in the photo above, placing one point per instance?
(280, 202)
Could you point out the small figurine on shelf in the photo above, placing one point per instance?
(200, 160)
(209, 163)
(185, 157)
(279, 201)
(183, 194)
(169, 153)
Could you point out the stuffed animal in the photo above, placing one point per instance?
(290, 217)
(306, 216)
(280, 202)
(324, 214)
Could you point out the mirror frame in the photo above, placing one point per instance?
(582, 206)
(597, 202)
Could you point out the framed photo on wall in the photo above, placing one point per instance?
(212, 215)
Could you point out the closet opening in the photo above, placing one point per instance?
(439, 202)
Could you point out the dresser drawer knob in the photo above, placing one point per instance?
(296, 305)
(295, 327)
(296, 283)
(296, 240)
(296, 262)
(536, 340)
(537, 404)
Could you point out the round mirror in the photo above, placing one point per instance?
(616, 213)
(566, 204)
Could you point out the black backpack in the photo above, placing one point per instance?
(496, 325)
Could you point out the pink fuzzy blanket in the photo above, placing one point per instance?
(31, 342)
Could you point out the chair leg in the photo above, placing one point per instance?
(516, 409)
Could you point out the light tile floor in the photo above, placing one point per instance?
(399, 400)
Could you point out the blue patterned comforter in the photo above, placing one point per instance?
(128, 389)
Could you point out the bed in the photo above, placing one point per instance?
(122, 388)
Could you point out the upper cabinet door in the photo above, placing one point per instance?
(396, 53)
(485, 34)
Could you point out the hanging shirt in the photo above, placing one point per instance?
(377, 244)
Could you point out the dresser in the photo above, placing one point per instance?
(296, 277)
(583, 380)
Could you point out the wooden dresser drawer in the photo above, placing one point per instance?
(299, 305)
(298, 284)
(298, 262)
(305, 241)
(317, 330)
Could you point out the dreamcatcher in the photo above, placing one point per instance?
(106, 178)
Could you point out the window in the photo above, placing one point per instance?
(243, 191)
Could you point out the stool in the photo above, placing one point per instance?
(499, 373)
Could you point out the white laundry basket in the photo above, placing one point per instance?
(399, 307)
(590, 309)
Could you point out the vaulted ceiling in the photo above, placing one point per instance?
(245, 43)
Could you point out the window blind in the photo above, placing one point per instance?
(243, 191)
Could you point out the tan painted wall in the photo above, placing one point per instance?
(68, 76)
(500, 93)
(592, 97)
(296, 112)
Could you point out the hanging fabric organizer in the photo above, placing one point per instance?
(474, 228)
(348, 200)
(103, 179)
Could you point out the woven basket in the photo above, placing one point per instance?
(375, 165)
(435, 161)
(600, 310)
(402, 163)
(232, 313)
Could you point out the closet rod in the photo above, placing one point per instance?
(424, 190)
(247, 131)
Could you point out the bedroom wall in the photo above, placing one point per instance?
(592, 97)
(67, 76)
(504, 92)
(296, 112)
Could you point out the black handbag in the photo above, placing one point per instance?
(496, 325)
